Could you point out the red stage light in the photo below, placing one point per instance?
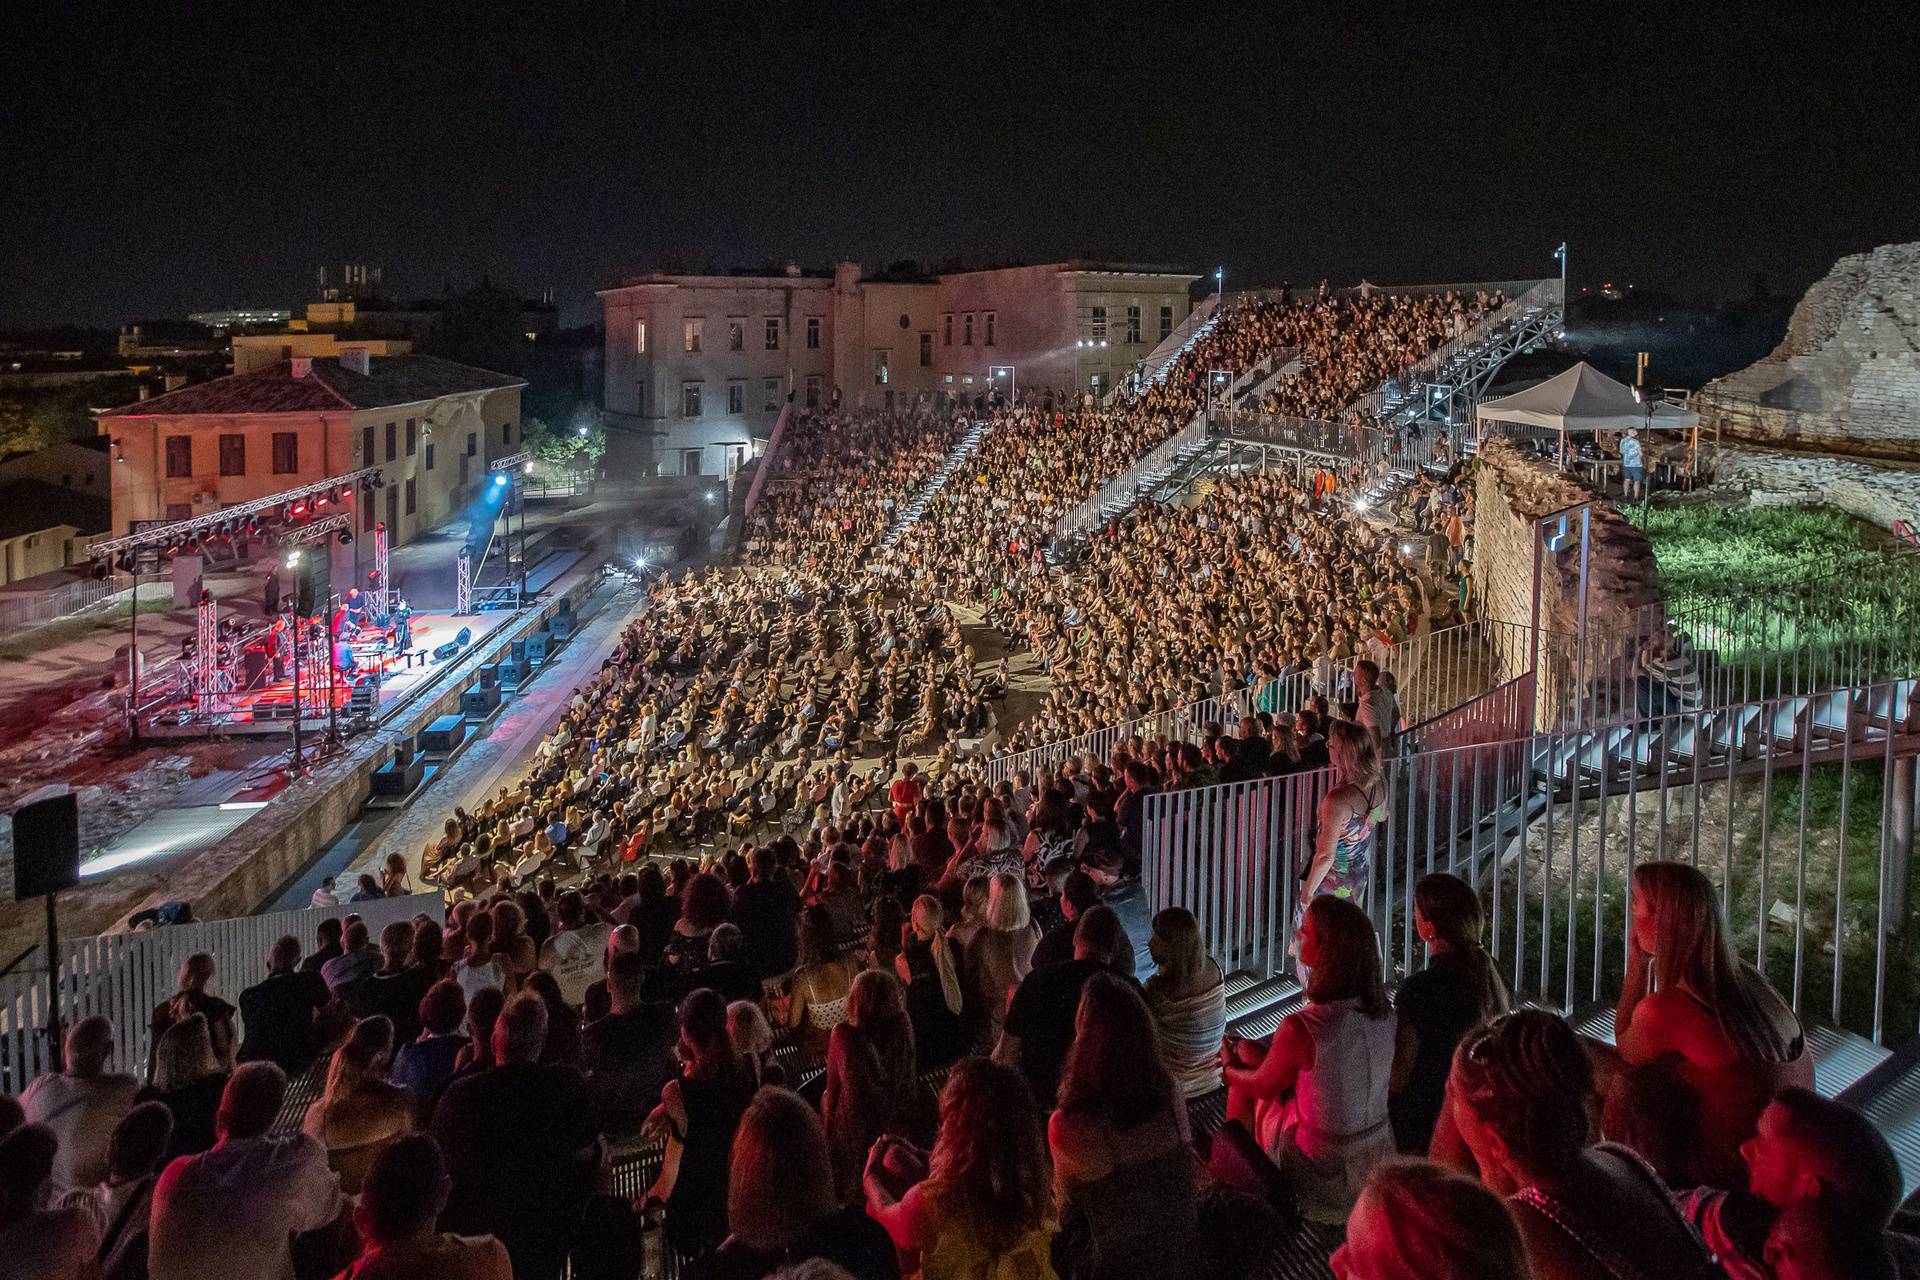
(299, 508)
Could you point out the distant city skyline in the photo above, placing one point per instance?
(200, 164)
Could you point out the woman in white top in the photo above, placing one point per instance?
(1188, 997)
(1316, 1095)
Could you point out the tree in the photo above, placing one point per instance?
(577, 449)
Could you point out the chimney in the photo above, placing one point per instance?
(302, 366)
(356, 359)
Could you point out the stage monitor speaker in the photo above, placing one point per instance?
(46, 847)
(313, 581)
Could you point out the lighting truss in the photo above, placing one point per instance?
(179, 531)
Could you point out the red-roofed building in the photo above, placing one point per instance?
(433, 426)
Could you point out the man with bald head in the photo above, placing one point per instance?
(278, 1011)
(82, 1104)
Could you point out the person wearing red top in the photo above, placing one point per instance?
(904, 794)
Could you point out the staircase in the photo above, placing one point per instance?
(1154, 368)
(906, 515)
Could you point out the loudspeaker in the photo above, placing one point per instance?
(313, 580)
(46, 847)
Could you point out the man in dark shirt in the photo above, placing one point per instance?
(520, 1144)
(766, 908)
(628, 1055)
(1077, 895)
(278, 1012)
(726, 969)
(396, 990)
(1039, 1026)
(326, 936)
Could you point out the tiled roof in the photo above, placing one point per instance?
(391, 380)
(28, 506)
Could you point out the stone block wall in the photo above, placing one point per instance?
(1511, 493)
(1879, 492)
(1846, 378)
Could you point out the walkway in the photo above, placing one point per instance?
(911, 512)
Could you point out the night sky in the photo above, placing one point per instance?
(161, 159)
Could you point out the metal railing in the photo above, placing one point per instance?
(767, 459)
(1087, 516)
(125, 976)
(1155, 366)
(1541, 294)
(22, 612)
(1800, 809)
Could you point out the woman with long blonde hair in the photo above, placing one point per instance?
(359, 1113)
(981, 1203)
(1342, 863)
(1188, 997)
(1688, 1003)
(929, 966)
(1418, 1221)
(998, 957)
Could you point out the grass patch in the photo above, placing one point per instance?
(1708, 550)
(33, 643)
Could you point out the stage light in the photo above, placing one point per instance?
(321, 501)
(712, 496)
(124, 563)
(528, 470)
(299, 509)
(100, 568)
(346, 537)
(583, 433)
(641, 563)
(293, 558)
(500, 478)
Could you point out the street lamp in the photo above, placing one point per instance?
(1220, 282)
(996, 372)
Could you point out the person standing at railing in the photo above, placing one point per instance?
(1342, 863)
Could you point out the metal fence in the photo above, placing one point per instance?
(1800, 809)
(23, 612)
(1123, 487)
(125, 976)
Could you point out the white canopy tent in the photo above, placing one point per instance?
(1584, 400)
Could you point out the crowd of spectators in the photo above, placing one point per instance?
(999, 1096)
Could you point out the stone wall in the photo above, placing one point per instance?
(1846, 379)
(1878, 492)
(1511, 493)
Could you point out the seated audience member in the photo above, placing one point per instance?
(123, 1204)
(192, 997)
(597, 1004)
(767, 909)
(1732, 1040)
(519, 1143)
(359, 1114)
(1122, 1161)
(358, 960)
(980, 1205)
(82, 1104)
(1417, 1221)
(1188, 997)
(818, 991)
(36, 1242)
(628, 1055)
(931, 970)
(1077, 893)
(563, 1020)
(425, 1064)
(396, 988)
(872, 1085)
(1458, 990)
(480, 967)
(1520, 1097)
(189, 1080)
(780, 1204)
(752, 1038)
(726, 969)
(1822, 1240)
(1316, 1095)
(483, 1014)
(576, 954)
(277, 1187)
(1805, 1148)
(397, 1216)
(998, 957)
(278, 1011)
(698, 1114)
(329, 942)
(1039, 1023)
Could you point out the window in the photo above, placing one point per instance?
(691, 461)
(946, 329)
(179, 457)
(736, 397)
(179, 510)
(1099, 322)
(1166, 323)
(926, 351)
(413, 435)
(813, 391)
(473, 443)
(881, 374)
(393, 437)
(966, 332)
(366, 446)
(1133, 326)
(286, 453)
(736, 336)
(773, 333)
(640, 397)
(689, 399)
(506, 433)
(770, 396)
(233, 455)
(409, 495)
(690, 333)
(992, 316)
(429, 455)
(813, 333)
(640, 337)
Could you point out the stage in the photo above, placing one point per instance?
(264, 705)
